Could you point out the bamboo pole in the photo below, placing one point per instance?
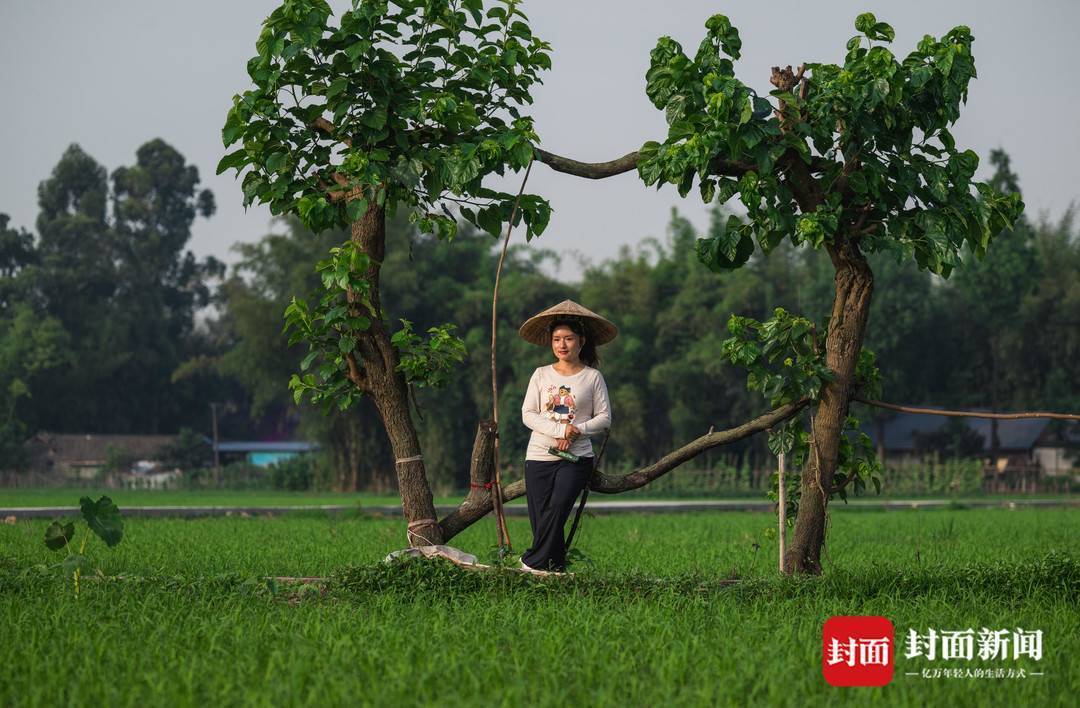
(497, 495)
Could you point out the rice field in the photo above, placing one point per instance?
(182, 613)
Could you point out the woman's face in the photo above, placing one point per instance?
(566, 345)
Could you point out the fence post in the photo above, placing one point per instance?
(783, 511)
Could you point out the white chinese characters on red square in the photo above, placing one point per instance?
(857, 651)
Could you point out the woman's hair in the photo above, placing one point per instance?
(588, 355)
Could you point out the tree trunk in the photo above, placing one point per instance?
(480, 500)
(854, 283)
(390, 393)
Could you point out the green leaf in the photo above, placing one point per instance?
(76, 561)
(947, 140)
(882, 31)
(104, 519)
(298, 388)
(865, 22)
(336, 86)
(232, 160)
(57, 536)
(356, 208)
(720, 27)
(354, 50)
(727, 251)
(231, 131)
(375, 119)
(275, 161)
(747, 112)
(537, 218)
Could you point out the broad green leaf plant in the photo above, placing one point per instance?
(102, 517)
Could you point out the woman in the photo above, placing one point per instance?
(565, 405)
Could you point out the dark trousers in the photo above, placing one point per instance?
(550, 489)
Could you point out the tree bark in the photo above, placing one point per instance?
(481, 498)
(390, 393)
(854, 286)
(589, 170)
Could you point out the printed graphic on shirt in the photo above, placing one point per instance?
(560, 404)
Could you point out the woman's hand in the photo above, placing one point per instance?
(562, 444)
(572, 432)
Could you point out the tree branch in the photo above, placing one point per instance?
(607, 484)
(327, 128)
(964, 414)
(355, 374)
(600, 170)
(850, 166)
(836, 489)
(473, 509)
(806, 190)
(337, 195)
(589, 170)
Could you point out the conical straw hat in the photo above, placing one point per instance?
(536, 328)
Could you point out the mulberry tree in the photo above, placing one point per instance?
(398, 106)
(853, 159)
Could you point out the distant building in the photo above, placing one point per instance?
(1058, 450)
(86, 456)
(1029, 446)
(263, 454)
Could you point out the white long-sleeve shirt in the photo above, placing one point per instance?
(552, 401)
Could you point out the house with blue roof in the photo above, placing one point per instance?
(264, 454)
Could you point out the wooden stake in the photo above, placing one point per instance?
(783, 512)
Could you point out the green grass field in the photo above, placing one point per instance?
(186, 617)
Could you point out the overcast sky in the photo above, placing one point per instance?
(112, 74)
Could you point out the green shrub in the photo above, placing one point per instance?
(242, 476)
(302, 473)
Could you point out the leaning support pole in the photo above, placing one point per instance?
(497, 496)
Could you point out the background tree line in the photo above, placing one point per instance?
(109, 325)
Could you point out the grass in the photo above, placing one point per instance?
(650, 622)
